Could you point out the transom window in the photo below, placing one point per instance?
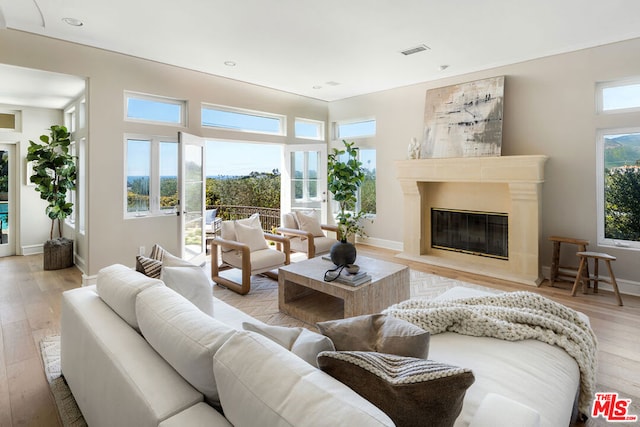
(309, 129)
(355, 129)
(240, 120)
(619, 96)
(154, 109)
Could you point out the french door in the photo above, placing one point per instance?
(191, 170)
(7, 208)
(304, 186)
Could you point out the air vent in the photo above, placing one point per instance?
(416, 49)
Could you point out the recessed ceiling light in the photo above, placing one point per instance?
(73, 22)
(317, 87)
(332, 83)
(230, 63)
(443, 67)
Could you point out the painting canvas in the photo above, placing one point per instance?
(464, 120)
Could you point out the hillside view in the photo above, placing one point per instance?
(622, 150)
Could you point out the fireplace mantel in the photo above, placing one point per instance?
(510, 184)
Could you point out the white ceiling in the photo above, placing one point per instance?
(331, 49)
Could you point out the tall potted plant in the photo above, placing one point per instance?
(54, 173)
(345, 176)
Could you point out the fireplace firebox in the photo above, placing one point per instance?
(471, 232)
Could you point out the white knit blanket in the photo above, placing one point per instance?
(512, 316)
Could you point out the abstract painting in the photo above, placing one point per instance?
(464, 120)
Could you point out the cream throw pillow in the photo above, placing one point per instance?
(192, 283)
(251, 236)
(310, 224)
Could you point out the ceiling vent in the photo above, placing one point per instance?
(416, 49)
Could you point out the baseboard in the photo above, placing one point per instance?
(626, 287)
(80, 263)
(89, 280)
(381, 243)
(32, 249)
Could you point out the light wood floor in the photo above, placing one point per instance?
(30, 310)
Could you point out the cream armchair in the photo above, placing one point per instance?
(307, 234)
(243, 245)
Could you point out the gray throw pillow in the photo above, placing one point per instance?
(377, 332)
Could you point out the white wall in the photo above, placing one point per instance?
(111, 238)
(549, 109)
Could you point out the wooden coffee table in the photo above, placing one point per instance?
(303, 293)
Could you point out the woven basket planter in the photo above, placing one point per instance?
(58, 254)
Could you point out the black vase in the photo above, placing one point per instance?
(343, 253)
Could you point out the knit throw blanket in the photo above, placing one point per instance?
(512, 316)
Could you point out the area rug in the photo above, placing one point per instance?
(70, 414)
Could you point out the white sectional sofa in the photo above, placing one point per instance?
(136, 353)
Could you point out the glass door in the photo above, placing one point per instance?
(305, 186)
(7, 216)
(192, 193)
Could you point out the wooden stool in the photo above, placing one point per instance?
(584, 262)
(556, 273)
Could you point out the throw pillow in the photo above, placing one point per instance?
(148, 266)
(411, 391)
(310, 224)
(300, 341)
(251, 236)
(161, 254)
(192, 283)
(377, 332)
(289, 220)
(228, 229)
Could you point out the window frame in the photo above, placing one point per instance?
(600, 196)
(320, 125)
(155, 209)
(339, 123)
(155, 98)
(282, 119)
(602, 86)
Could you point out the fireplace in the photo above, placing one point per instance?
(470, 232)
(507, 188)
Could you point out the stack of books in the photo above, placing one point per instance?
(349, 279)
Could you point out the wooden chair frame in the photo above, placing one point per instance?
(311, 247)
(244, 287)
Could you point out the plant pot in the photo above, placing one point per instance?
(58, 253)
(343, 253)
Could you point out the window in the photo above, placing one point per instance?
(355, 129)
(309, 129)
(619, 96)
(367, 193)
(619, 187)
(7, 121)
(304, 182)
(243, 120)
(154, 109)
(152, 176)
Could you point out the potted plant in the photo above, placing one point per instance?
(54, 173)
(345, 176)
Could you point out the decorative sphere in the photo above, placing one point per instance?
(343, 253)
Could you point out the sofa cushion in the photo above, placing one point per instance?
(260, 380)
(310, 224)
(118, 287)
(192, 283)
(377, 332)
(148, 266)
(183, 335)
(199, 415)
(413, 392)
(300, 341)
(496, 409)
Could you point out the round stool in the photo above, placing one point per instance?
(584, 262)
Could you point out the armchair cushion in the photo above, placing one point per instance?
(310, 224)
(262, 260)
(251, 236)
(228, 229)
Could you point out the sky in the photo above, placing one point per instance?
(234, 158)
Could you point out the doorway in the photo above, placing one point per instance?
(7, 197)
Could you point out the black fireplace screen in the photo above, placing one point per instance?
(477, 233)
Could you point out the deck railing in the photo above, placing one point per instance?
(269, 217)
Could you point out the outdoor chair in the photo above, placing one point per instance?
(307, 234)
(243, 245)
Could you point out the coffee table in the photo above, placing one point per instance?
(303, 293)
